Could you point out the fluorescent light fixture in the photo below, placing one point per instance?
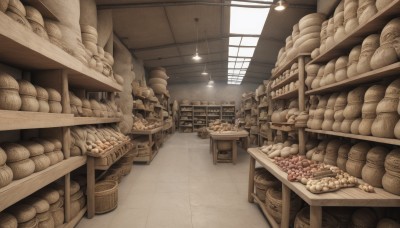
(245, 64)
(247, 20)
(210, 85)
(231, 65)
(205, 73)
(280, 5)
(233, 51)
(230, 71)
(196, 57)
(231, 59)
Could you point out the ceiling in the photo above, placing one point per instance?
(163, 33)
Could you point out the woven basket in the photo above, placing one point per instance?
(106, 196)
(303, 219)
(274, 204)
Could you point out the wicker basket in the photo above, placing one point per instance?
(303, 219)
(273, 203)
(106, 196)
(263, 180)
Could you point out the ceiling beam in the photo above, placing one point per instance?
(177, 56)
(213, 63)
(214, 39)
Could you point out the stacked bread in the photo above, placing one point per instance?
(158, 80)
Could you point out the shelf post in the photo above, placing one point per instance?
(302, 105)
(90, 186)
(251, 179)
(285, 206)
(315, 216)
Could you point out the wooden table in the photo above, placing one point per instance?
(233, 136)
(348, 197)
(150, 134)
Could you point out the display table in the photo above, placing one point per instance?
(232, 136)
(348, 197)
(150, 134)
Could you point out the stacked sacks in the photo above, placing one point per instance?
(366, 10)
(158, 80)
(18, 160)
(350, 15)
(36, 151)
(36, 21)
(329, 113)
(52, 149)
(387, 116)
(43, 99)
(312, 70)
(310, 28)
(42, 208)
(54, 33)
(6, 174)
(352, 111)
(373, 95)
(389, 51)
(324, 35)
(353, 61)
(16, 11)
(338, 20)
(341, 68)
(25, 215)
(368, 48)
(338, 108)
(56, 209)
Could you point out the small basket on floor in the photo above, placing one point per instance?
(106, 196)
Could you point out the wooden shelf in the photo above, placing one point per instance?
(282, 127)
(185, 126)
(16, 120)
(373, 25)
(146, 132)
(75, 220)
(360, 137)
(20, 189)
(371, 76)
(263, 135)
(291, 94)
(24, 49)
(94, 120)
(199, 124)
(348, 197)
(286, 81)
(287, 65)
(262, 205)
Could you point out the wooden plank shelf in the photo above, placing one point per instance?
(395, 142)
(16, 120)
(20, 189)
(186, 126)
(373, 25)
(287, 127)
(371, 76)
(291, 78)
(24, 49)
(288, 95)
(94, 120)
(287, 65)
(262, 205)
(75, 221)
(348, 197)
(146, 132)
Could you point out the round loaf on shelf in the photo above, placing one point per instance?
(53, 157)
(4, 5)
(381, 4)
(310, 20)
(343, 153)
(54, 100)
(373, 170)
(350, 16)
(3, 157)
(353, 61)
(355, 100)
(48, 146)
(368, 48)
(364, 217)
(33, 223)
(43, 98)
(357, 158)
(22, 212)
(159, 73)
(6, 176)
(15, 152)
(28, 96)
(50, 195)
(42, 162)
(33, 147)
(33, 14)
(388, 223)
(57, 143)
(9, 95)
(8, 221)
(17, 7)
(366, 11)
(22, 169)
(39, 204)
(373, 95)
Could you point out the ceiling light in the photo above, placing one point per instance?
(196, 57)
(205, 73)
(280, 5)
(211, 82)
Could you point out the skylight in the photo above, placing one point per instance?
(246, 25)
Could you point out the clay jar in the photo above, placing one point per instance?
(328, 77)
(389, 51)
(43, 98)
(368, 48)
(366, 10)
(387, 116)
(316, 82)
(312, 71)
(343, 153)
(357, 159)
(28, 96)
(319, 113)
(331, 153)
(374, 169)
(340, 104)
(353, 61)
(373, 95)
(353, 108)
(341, 68)
(391, 179)
(350, 15)
(329, 113)
(9, 96)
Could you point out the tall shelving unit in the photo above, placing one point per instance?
(213, 113)
(263, 120)
(186, 118)
(54, 68)
(348, 197)
(228, 113)
(199, 117)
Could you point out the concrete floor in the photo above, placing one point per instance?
(181, 188)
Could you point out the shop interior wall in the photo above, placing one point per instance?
(200, 92)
